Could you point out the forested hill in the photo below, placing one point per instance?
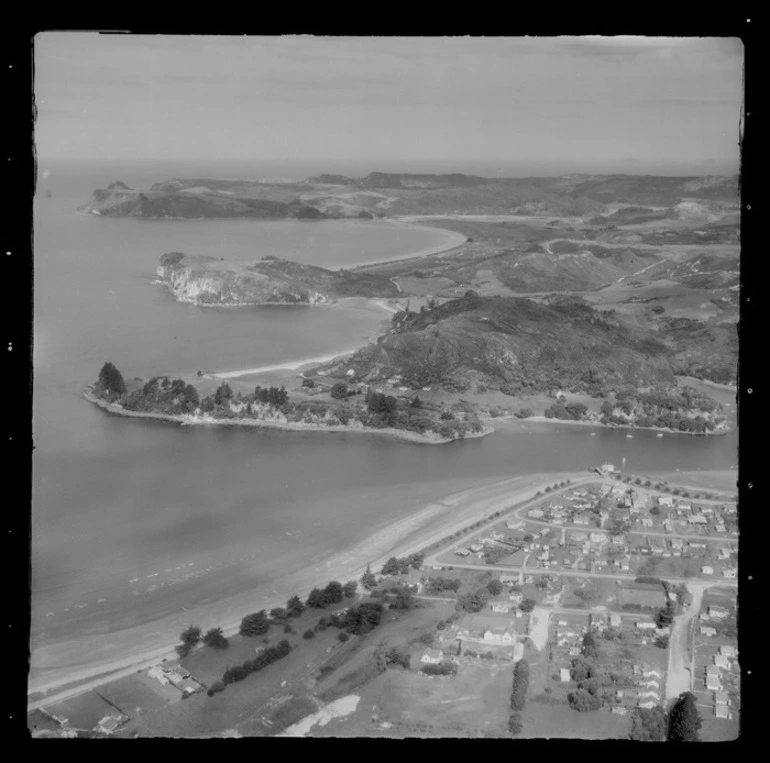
(518, 345)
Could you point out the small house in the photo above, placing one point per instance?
(565, 675)
(721, 698)
(432, 657)
(705, 630)
(721, 711)
(721, 661)
(500, 606)
(706, 570)
(727, 651)
(713, 683)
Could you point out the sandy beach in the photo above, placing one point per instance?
(546, 420)
(105, 657)
(453, 240)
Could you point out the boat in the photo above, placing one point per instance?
(629, 436)
(660, 434)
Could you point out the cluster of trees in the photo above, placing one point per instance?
(319, 598)
(594, 682)
(567, 412)
(665, 615)
(446, 668)
(271, 395)
(682, 724)
(363, 618)
(262, 660)
(684, 410)
(648, 724)
(395, 566)
(439, 585)
(518, 695)
(524, 413)
(394, 656)
(256, 624)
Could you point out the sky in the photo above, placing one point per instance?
(591, 104)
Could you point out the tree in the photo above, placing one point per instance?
(279, 614)
(648, 725)
(216, 639)
(342, 636)
(495, 587)
(215, 688)
(111, 380)
(349, 589)
(583, 701)
(684, 720)
(294, 607)
(527, 605)
(191, 636)
(316, 599)
(339, 391)
(416, 403)
(333, 592)
(368, 579)
(255, 624)
(514, 724)
(309, 633)
(391, 567)
(223, 394)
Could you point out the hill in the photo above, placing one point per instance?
(211, 281)
(517, 345)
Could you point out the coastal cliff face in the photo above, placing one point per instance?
(209, 281)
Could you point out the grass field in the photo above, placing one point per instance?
(559, 721)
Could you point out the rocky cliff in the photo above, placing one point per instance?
(209, 281)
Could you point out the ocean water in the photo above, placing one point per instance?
(134, 520)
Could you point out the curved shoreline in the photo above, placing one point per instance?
(287, 426)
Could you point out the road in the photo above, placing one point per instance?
(681, 657)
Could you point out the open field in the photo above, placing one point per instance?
(559, 721)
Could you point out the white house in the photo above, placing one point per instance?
(721, 711)
(499, 636)
(565, 675)
(721, 698)
(721, 661)
(712, 683)
(500, 606)
(645, 625)
(727, 651)
(432, 657)
(513, 524)
(718, 613)
(729, 572)
(615, 621)
(535, 513)
(706, 570)
(707, 631)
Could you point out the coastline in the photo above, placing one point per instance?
(445, 512)
(90, 660)
(598, 424)
(454, 241)
(296, 365)
(287, 426)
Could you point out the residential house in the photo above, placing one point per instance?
(698, 519)
(707, 631)
(516, 598)
(615, 621)
(721, 698)
(432, 657)
(462, 552)
(645, 625)
(500, 606)
(651, 673)
(619, 710)
(718, 613)
(598, 538)
(110, 723)
(564, 674)
(721, 661)
(514, 524)
(647, 704)
(713, 683)
(730, 573)
(677, 544)
(647, 522)
(727, 651)
(583, 518)
(721, 711)
(476, 547)
(509, 579)
(665, 500)
(535, 513)
(499, 636)
(706, 570)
